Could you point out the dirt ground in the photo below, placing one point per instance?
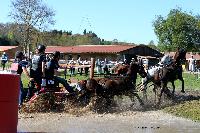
(126, 122)
(122, 119)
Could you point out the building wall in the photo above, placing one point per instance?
(11, 52)
(141, 50)
(83, 56)
(144, 51)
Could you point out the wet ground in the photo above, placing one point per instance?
(120, 119)
(126, 122)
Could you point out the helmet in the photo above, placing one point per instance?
(19, 54)
(56, 54)
(41, 48)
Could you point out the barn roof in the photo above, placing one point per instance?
(89, 48)
(5, 48)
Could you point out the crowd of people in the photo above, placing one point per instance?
(81, 65)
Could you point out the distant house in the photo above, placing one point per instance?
(111, 52)
(10, 50)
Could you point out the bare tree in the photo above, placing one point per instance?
(31, 16)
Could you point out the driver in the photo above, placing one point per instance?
(52, 71)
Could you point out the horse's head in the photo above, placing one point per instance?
(85, 87)
(91, 85)
(137, 68)
(121, 69)
(180, 55)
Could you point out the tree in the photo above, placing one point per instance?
(152, 45)
(84, 32)
(179, 29)
(31, 16)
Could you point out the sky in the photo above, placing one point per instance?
(125, 20)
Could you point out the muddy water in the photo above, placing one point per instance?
(126, 122)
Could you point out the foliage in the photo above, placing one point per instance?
(179, 29)
(30, 16)
(9, 35)
(61, 38)
(152, 45)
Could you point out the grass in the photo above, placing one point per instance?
(189, 109)
(78, 77)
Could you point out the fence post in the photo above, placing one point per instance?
(92, 68)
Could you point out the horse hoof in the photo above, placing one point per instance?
(157, 105)
(182, 91)
(141, 104)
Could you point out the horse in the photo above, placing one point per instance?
(165, 74)
(109, 87)
(120, 69)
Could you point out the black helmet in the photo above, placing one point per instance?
(19, 54)
(41, 48)
(56, 54)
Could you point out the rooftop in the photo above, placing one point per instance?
(89, 48)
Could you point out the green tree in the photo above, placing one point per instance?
(178, 29)
(31, 16)
(152, 45)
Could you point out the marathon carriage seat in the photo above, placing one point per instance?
(51, 85)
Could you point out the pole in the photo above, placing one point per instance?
(92, 68)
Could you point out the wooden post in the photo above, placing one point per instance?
(92, 68)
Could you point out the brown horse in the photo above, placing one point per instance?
(170, 74)
(121, 69)
(109, 87)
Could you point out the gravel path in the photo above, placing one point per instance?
(126, 122)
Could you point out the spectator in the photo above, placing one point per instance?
(86, 68)
(98, 66)
(52, 71)
(19, 66)
(4, 60)
(72, 66)
(192, 62)
(145, 62)
(80, 68)
(105, 67)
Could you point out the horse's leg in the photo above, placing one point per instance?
(144, 88)
(139, 99)
(163, 87)
(145, 95)
(109, 100)
(132, 97)
(183, 90)
(155, 92)
(173, 87)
